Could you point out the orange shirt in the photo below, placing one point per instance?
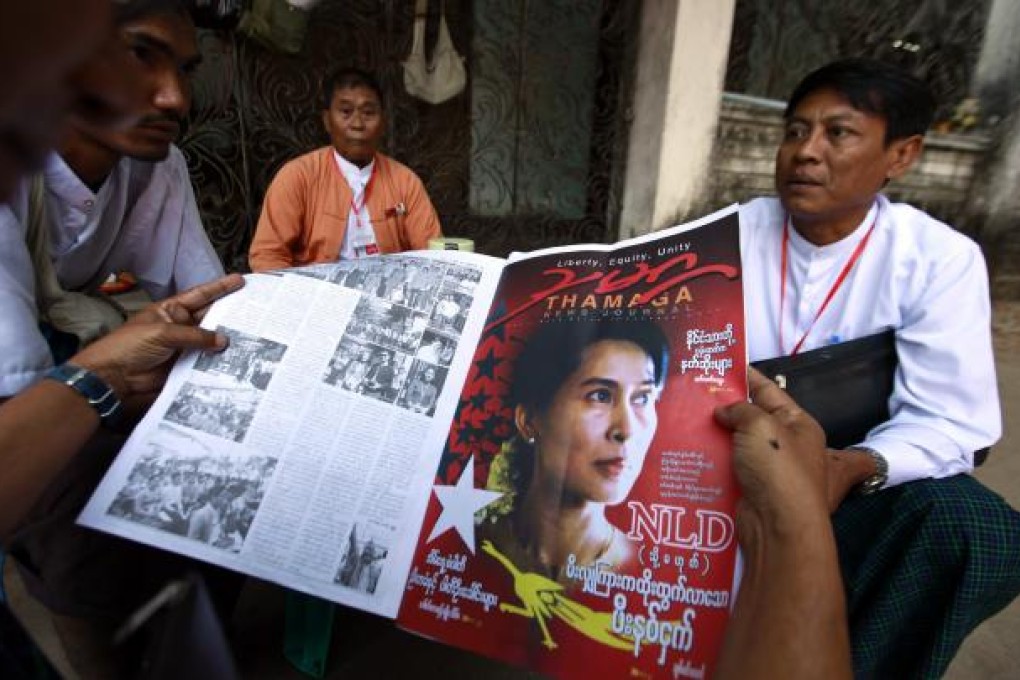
(304, 214)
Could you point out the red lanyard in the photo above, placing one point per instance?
(856, 255)
(355, 208)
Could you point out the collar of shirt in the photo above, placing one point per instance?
(356, 177)
(811, 273)
(75, 204)
(801, 248)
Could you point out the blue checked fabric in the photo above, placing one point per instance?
(924, 563)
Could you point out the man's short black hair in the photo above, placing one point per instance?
(125, 11)
(876, 87)
(346, 77)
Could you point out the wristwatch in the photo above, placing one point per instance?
(100, 396)
(881, 476)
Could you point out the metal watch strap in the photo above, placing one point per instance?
(881, 476)
(100, 396)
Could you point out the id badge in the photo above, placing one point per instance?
(364, 242)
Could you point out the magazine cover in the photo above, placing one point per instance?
(582, 511)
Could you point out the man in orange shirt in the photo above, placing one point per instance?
(347, 200)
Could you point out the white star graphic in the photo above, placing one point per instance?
(460, 503)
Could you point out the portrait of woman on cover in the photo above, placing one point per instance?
(584, 397)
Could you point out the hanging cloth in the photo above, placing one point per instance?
(445, 76)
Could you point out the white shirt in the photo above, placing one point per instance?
(359, 232)
(143, 220)
(916, 275)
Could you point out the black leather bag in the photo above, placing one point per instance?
(846, 386)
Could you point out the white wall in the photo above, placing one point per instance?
(684, 45)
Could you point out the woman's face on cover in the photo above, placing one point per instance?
(591, 443)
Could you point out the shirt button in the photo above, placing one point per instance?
(88, 205)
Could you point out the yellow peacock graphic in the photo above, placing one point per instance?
(543, 599)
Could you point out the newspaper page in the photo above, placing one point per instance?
(582, 513)
(304, 453)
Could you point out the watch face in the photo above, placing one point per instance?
(881, 476)
(873, 483)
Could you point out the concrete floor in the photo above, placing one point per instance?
(992, 652)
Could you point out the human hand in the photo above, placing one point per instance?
(190, 306)
(789, 620)
(780, 459)
(134, 359)
(847, 468)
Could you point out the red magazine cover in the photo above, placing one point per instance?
(582, 512)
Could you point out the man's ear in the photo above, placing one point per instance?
(902, 154)
(522, 419)
(325, 120)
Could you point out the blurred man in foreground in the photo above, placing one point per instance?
(112, 200)
(60, 57)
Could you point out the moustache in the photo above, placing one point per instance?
(162, 118)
